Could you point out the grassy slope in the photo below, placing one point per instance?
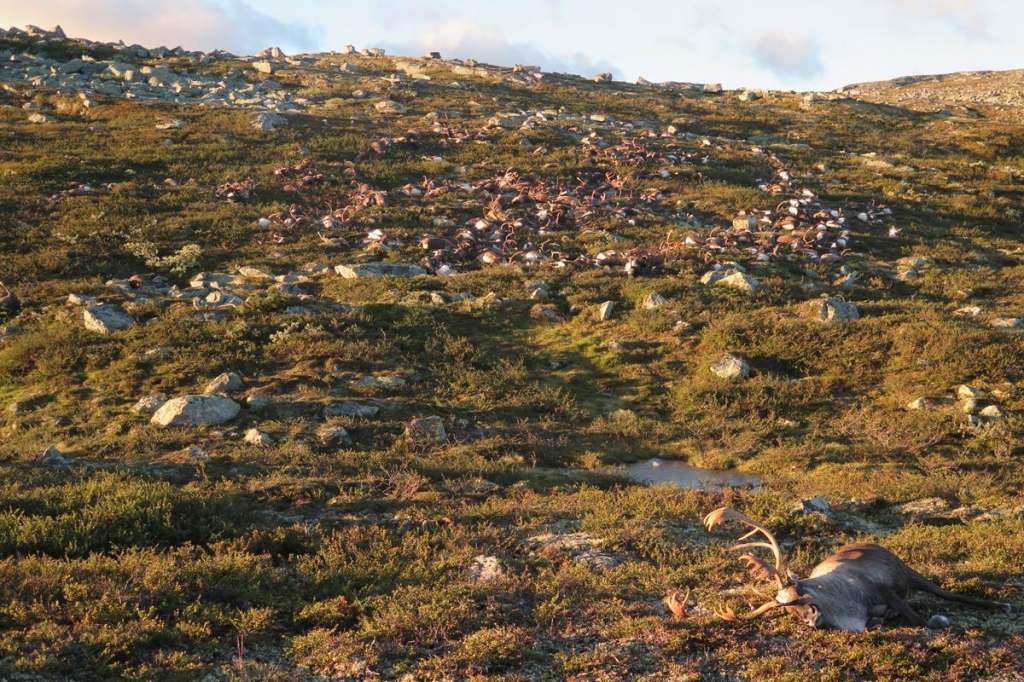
(140, 563)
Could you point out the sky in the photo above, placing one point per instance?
(772, 44)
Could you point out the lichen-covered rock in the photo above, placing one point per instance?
(426, 431)
(835, 310)
(224, 383)
(150, 403)
(195, 410)
(258, 438)
(484, 569)
(731, 366)
(379, 270)
(336, 436)
(106, 319)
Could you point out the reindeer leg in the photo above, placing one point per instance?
(919, 582)
(900, 606)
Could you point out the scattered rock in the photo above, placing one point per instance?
(604, 77)
(604, 312)
(258, 438)
(484, 569)
(335, 436)
(379, 270)
(654, 300)
(731, 367)
(379, 382)
(40, 118)
(52, 457)
(583, 548)
(265, 66)
(990, 412)
(918, 404)
(388, 106)
(225, 383)
(815, 505)
(970, 405)
(150, 404)
(106, 319)
(835, 310)
(349, 408)
(266, 121)
(194, 410)
(259, 401)
(964, 391)
(426, 431)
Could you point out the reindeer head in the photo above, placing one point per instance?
(790, 597)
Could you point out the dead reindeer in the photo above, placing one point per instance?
(860, 585)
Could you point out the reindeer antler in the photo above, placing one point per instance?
(758, 567)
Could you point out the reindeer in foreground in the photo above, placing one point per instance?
(860, 585)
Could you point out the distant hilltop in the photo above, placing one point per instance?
(50, 59)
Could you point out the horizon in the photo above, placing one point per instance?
(784, 46)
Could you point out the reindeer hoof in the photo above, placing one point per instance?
(937, 622)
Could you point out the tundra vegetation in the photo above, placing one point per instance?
(317, 534)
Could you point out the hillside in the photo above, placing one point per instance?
(325, 366)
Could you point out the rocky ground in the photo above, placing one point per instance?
(320, 366)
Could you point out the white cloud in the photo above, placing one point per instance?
(460, 37)
(194, 24)
(789, 55)
(964, 16)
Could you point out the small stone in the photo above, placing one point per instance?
(654, 300)
(731, 366)
(259, 401)
(150, 404)
(335, 436)
(970, 406)
(349, 408)
(388, 106)
(604, 77)
(1007, 323)
(990, 412)
(484, 569)
(604, 312)
(918, 404)
(264, 66)
(712, 87)
(740, 281)
(266, 121)
(835, 310)
(749, 96)
(52, 457)
(40, 118)
(106, 319)
(224, 383)
(379, 270)
(816, 504)
(965, 391)
(258, 438)
(426, 431)
(194, 410)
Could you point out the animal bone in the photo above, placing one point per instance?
(860, 585)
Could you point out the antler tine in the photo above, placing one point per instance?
(730, 615)
(723, 514)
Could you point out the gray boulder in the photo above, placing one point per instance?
(106, 319)
(835, 310)
(426, 431)
(194, 410)
(225, 383)
(379, 270)
(731, 366)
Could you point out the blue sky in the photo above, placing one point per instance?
(787, 44)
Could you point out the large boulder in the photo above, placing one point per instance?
(106, 319)
(194, 410)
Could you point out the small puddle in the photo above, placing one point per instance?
(683, 475)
